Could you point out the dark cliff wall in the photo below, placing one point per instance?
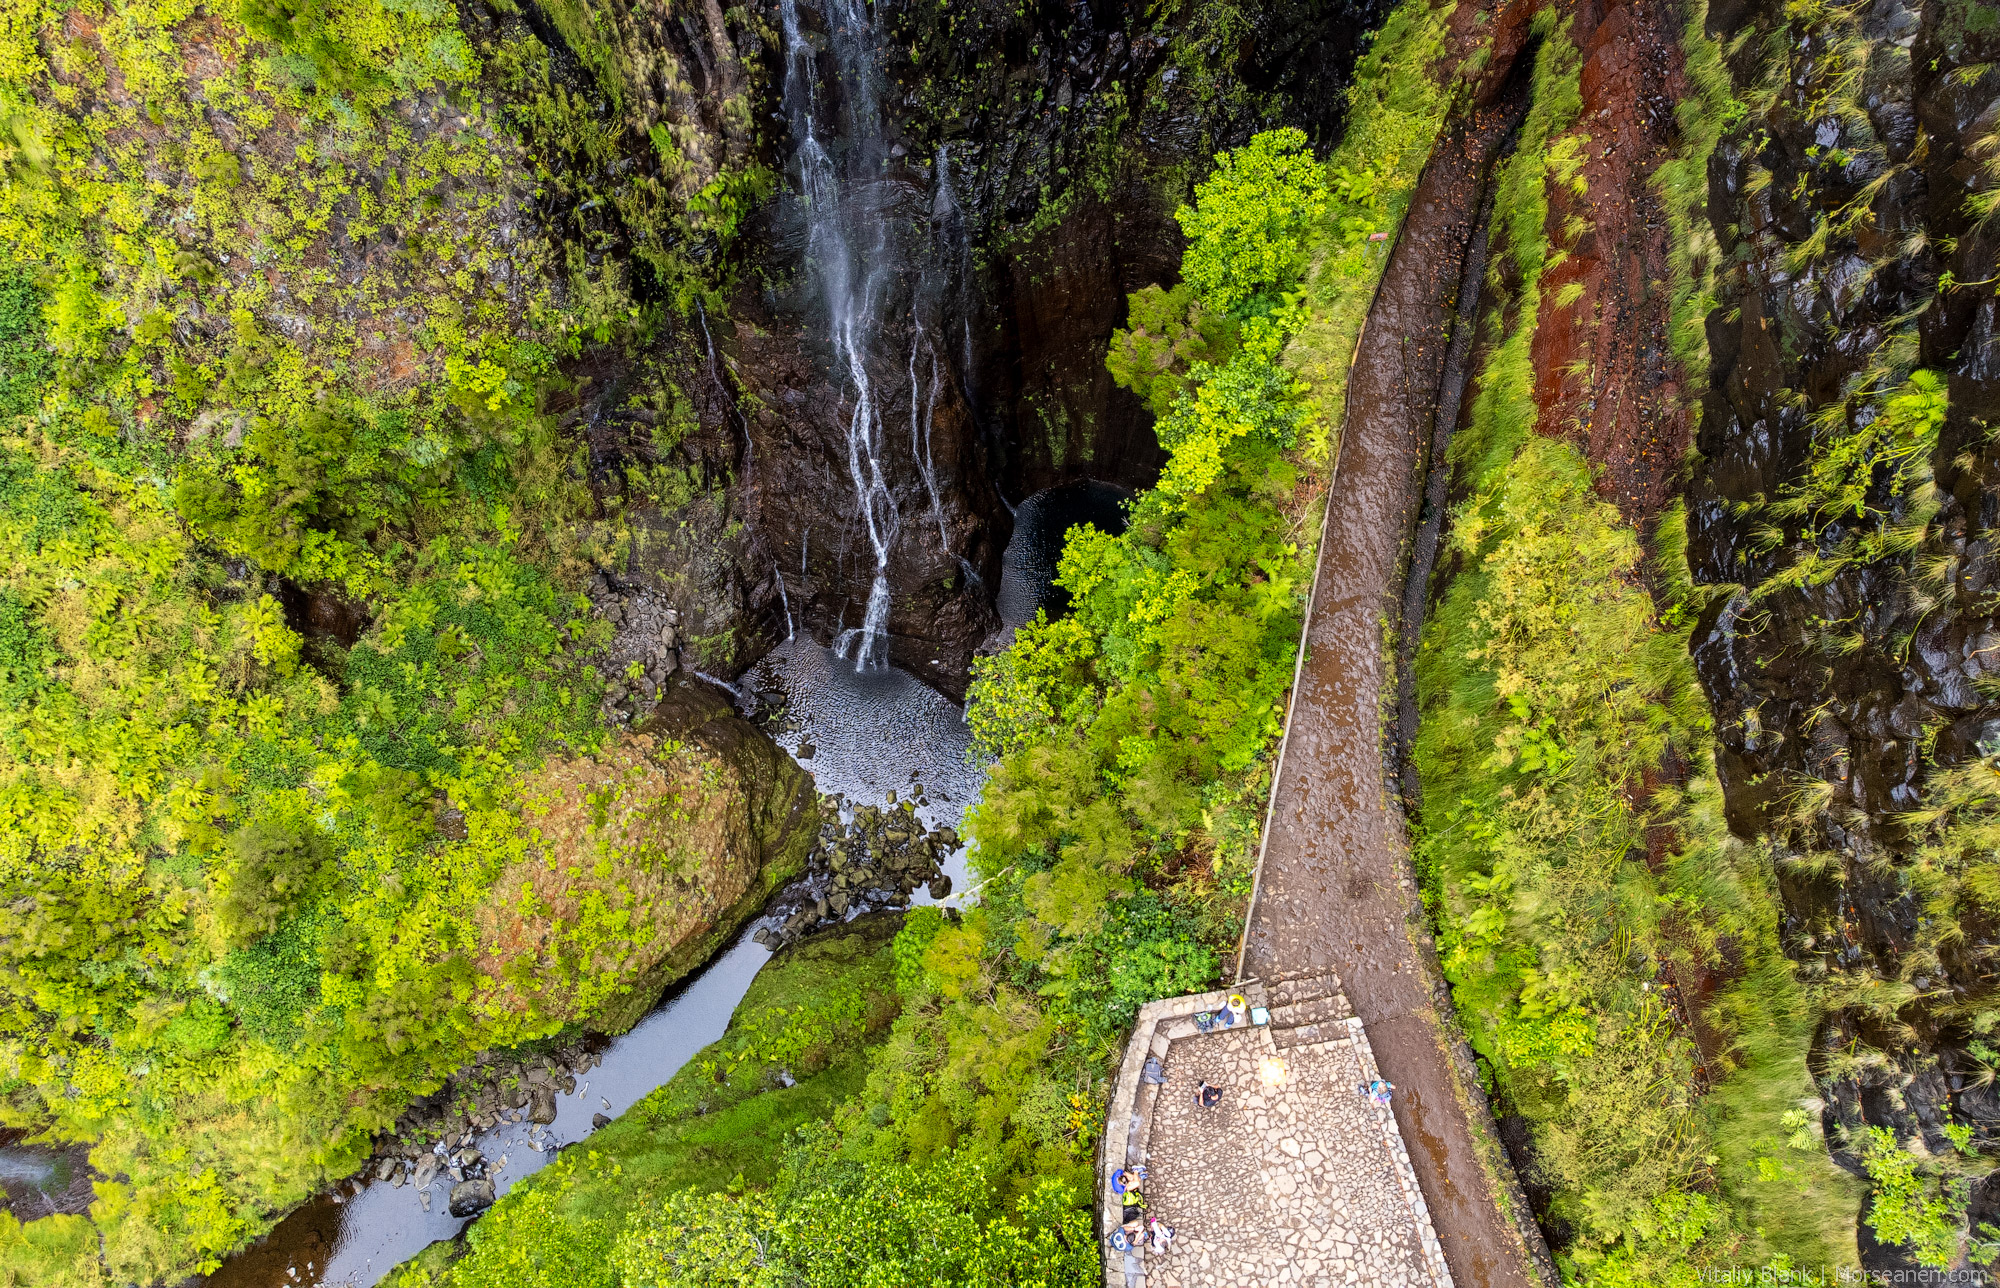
(1032, 160)
(1841, 510)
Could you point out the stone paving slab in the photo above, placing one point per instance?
(1295, 1178)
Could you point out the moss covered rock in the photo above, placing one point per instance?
(645, 858)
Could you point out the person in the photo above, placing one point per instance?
(1378, 1091)
(1239, 1009)
(1163, 1235)
(1207, 1095)
(1125, 1179)
(1119, 1241)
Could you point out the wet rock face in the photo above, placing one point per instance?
(943, 520)
(1844, 698)
(1017, 181)
(1059, 298)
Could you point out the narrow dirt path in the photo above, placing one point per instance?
(1336, 890)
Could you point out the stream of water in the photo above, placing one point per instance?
(852, 258)
(861, 733)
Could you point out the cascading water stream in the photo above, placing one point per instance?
(853, 282)
(923, 412)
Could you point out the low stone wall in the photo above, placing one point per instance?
(1296, 1178)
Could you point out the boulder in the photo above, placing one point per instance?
(470, 1198)
(709, 818)
(542, 1104)
(599, 1120)
(427, 1169)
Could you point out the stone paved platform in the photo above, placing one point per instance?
(1295, 1178)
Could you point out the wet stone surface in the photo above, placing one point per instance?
(868, 857)
(1291, 1180)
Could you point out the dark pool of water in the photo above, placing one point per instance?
(1028, 569)
(871, 733)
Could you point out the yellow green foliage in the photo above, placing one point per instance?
(270, 329)
(1570, 884)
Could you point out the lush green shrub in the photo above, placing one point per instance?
(268, 868)
(832, 1223)
(1912, 1204)
(1250, 231)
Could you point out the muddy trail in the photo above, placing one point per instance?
(1336, 889)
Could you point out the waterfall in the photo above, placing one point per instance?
(786, 600)
(920, 423)
(853, 281)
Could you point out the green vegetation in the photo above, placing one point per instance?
(724, 1122)
(1118, 829)
(1115, 840)
(1589, 900)
(272, 340)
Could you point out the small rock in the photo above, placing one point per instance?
(468, 1157)
(600, 1120)
(385, 1169)
(469, 1198)
(427, 1169)
(806, 751)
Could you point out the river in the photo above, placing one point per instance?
(872, 731)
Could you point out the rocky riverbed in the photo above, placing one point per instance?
(869, 857)
(436, 1137)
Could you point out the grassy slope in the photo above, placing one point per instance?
(815, 1011)
(1567, 892)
